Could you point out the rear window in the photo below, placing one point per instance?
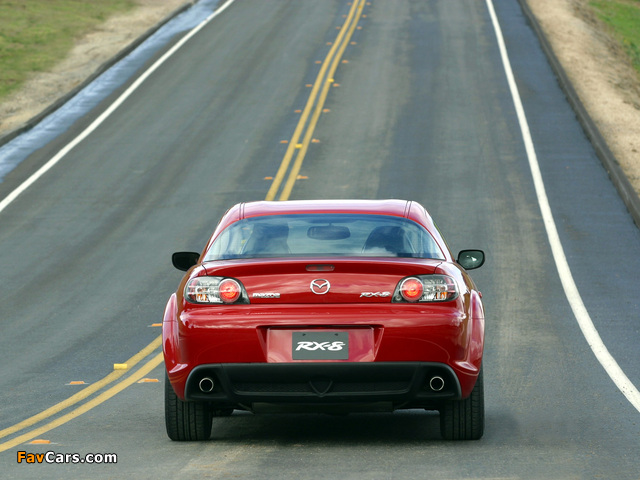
(324, 234)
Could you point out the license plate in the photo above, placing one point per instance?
(320, 345)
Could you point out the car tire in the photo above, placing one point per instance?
(464, 419)
(185, 421)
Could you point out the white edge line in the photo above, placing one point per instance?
(570, 289)
(98, 121)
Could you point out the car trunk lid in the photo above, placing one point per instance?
(321, 280)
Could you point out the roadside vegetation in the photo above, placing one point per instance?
(36, 34)
(623, 18)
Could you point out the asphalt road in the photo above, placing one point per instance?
(419, 108)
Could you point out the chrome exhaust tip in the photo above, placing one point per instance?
(206, 385)
(436, 383)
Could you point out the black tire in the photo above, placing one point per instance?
(185, 421)
(464, 419)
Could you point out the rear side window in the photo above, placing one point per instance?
(353, 235)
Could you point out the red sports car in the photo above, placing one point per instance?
(324, 306)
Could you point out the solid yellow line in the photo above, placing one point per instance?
(284, 165)
(104, 396)
(295, 170)
(84, 393)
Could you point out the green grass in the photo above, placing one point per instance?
(623, 17)
(36, 34)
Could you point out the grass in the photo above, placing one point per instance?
(36, 34)
(623, 17)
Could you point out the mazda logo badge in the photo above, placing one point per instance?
(320, 286)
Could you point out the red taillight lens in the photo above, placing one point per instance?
(230, 291)
(412, 289)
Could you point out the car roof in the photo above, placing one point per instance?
(383, 207)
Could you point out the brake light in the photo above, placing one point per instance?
(411, 289)
(230, 290)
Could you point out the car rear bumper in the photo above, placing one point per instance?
(354, 386)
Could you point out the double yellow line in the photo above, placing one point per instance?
(83, 394)
(309, 119)
(323, 83)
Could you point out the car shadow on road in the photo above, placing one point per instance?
(408, 426)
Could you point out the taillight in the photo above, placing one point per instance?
(411, 289)
(230, 290)
(214, 290)
(426, 288)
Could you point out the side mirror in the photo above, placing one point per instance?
(470, 259)
(184, 260)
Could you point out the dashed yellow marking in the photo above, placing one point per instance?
(120, 366)
(149, 380)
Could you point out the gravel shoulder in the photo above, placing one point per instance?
(608, 86)
(600, 73)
